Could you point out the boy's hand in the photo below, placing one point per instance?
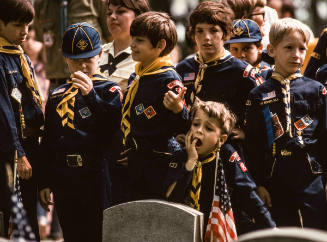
(83, 82)
(264, 195)
(237, 134)
(174, 102)
(24, 168)
(192, 154)
(45, 198)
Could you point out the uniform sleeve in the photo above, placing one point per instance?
(9, 140)
(255, 140)
(106, 105)
(179, 121)
(244, 188)
(318, 57)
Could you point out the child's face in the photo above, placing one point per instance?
(86, 65)
(14, 32)
(119, 21)
(207, 131)
(289, 54)
(246, 51)
(209, 40)
(143, 51)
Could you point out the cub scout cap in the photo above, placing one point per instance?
(81, 40)
(321, 74)
(245, 31)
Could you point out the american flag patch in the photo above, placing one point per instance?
(234, 156)
(268, 95)
(189, 76)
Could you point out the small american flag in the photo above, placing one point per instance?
(268, 95)
(221, 225)
(189, 76)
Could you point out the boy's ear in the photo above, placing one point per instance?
(271, 50)
(161, 45)
(222, 139)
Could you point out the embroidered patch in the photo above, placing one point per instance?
(82, 44)
(243, 167)
(303, 122)
(268, 95)
(174, 83)
(60, 90)
(247, 70)
(189, 76)
(139, 109)
(150, 112)
(259, 80)
(238, 31)
(324, 91)
(16, 94)
(234, 156)
(277, 126)
(85, 112)
(248, 103)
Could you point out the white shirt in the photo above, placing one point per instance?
(123, 69)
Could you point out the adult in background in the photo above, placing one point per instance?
(117, 63)
(52, 17)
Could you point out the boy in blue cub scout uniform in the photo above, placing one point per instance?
(147, 126)
(245, 44)
(80, 118)
(192, 179)
(286, 132)
(20, 107)
(215, 75)
(318, 56)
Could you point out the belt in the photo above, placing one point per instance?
(74, 160)
(80, 159)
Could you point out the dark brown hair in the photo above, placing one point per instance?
(156, 26)
(137, 6)
(224, 117)
(21, 11)
(216, 13)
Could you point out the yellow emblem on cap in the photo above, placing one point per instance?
(238, 31)
(82, 44)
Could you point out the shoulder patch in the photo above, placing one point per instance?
(324, 91)
(243, 167)
(247, 70)
(116, 88)
(234, 156)
(248, 102)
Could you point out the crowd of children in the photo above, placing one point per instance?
(222, 127)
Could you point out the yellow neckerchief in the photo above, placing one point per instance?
(152, 68)
(203, 65)
(65, 108)
(286, 86)
(6, 47)
(196, 181)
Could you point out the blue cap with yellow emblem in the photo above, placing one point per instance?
(245, 31)
(81, 40)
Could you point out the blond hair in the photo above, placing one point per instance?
(224, 117)
(284, 26)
